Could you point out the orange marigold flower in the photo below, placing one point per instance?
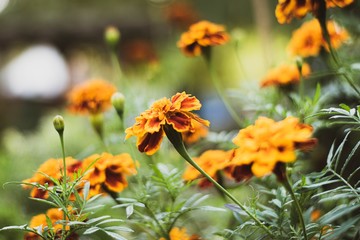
(211, 161)
(197, 132)
(307, 40)
(181, 14)
(338, 3)
(284, 74)
(263, 145)
(91, 97)
(50, 168)
(286, 10)
(106, 172)
(54, 214)
(200, 35)
(180, 234)
(174, 112)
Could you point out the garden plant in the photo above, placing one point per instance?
(158, 171)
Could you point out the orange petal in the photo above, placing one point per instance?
(150, 142)
(179, 121)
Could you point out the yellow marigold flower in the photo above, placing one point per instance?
(180, 234)
(197, 132)
(286, 10)
(52, 168)
(211, 162)
(54, 214)
(91, 97)
(174, 112)
(108, 172)
(307, 40)
(263, 145)
(284, 74)
(200, 35)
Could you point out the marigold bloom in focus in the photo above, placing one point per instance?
(91, 97)
(54, 214)
(284, 74)
(174, 112)
(307, 40)
(197, 132)
(52, 168)
(263, 145)
(180, 234)
(200, 35)
(211, 161)
(286, 10)
(108, 172)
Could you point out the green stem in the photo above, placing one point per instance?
(64, 185)
(297, 204)
(176, 139)
(335, 57)
(163, 232)
(219, 89)
(116, 64)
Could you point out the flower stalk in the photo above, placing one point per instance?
(176, 139)
(286, 183)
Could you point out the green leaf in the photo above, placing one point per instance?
(344, 106)
(109, 221)
(22, 227)
(115, 235)
(119, 228)
(129, 210)
(44, 201)
(91, 230)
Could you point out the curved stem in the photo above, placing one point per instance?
(176, 139)
(220, 89)
(297, 204)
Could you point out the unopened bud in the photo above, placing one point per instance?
(118, 101)
(112, 36)
(299, 63)
(59, 124)
(97, 121)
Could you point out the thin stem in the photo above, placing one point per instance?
(157, 221)
(220, 89)
(176, 139)
(297, 204)
(64, 184)
(116, 64)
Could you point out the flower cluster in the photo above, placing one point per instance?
(174, 112)
(201, 35)
(51, 169)
(105, 172)
(91, 97)
(308, 40)
(286, 10)
(284, 74)
(266, 143)
(52, 215)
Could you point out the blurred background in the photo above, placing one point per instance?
(47, 47)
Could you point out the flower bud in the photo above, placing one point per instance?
(118, 100)
(59, 124)
(97, 121)
(112, 36)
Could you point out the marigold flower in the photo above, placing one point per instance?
(181, 14)
(263, 145)
(197, 132)
(92, 97)
(51, 168)
(211, 161)
(286, 10)
(54, 214)
(315, 215)
(284, 74)
(108, 172)
(201, 35)
(180, 234)
(174, 112)
(308, 40)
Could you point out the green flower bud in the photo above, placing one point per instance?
(112, 36)
(59, 124)
(97, 121)
(118, 101)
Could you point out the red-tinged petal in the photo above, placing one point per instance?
(179, 121)
(183, 102)
(150, 142)
(154, 125)
(115, 182)
(198, 119)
